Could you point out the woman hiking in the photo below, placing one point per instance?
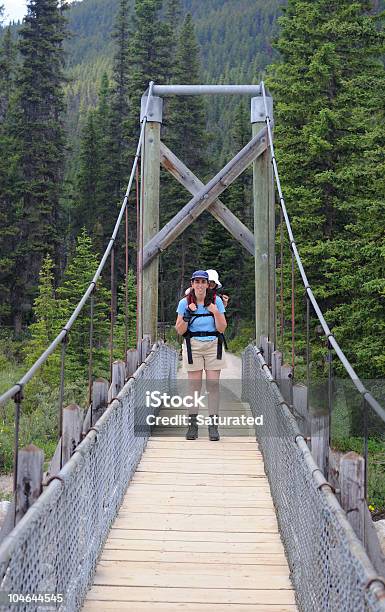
(202, 328)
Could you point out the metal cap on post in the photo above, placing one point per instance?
(258, 113)
(155, 108)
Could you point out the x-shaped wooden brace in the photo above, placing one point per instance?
(205, 196)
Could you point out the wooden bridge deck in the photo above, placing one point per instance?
(197, 532)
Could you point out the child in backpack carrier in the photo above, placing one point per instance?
(214, 284)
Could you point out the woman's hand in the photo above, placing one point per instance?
(192, 307)
(212, 308)
(181, 325)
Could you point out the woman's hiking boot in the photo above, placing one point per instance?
(213, 428)
(192, 432)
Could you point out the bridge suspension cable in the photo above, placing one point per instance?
(18, 387)
(367, 396)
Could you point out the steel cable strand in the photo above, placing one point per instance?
(341, 355)
(12, 391)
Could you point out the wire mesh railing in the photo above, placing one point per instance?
(54, 549)
(329, 566)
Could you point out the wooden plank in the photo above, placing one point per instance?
(192, 453)
(152, 606)
(226, 480)
(218, 510)
(195, 536)
(192, 576)
(218, 596)
(204, 547)
(163, 556)
(240, 441)
(177, 522)
(199, 467)
(224, 549)
(173, 502)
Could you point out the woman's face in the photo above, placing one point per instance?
(200, 286)
(212, 284)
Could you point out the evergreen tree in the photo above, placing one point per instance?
(7, 72)
(186, 136)
(39, 132)
(94, 210)
(43, 330)
(9, 174)
(119, 104)
(77, 277)
(120, 327)
(149, 56)
(325, 89)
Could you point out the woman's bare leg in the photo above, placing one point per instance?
(195, 384)
(212, 385)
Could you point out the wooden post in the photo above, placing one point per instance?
(352, 478)
(132, 362)
(334, 471)
(286, 385)
(118, 378)
(276, 366)
(320, 441)
(263, 224)
(72, 428)
(29, 478)
(99, 398)
(300, 406)
(150, 210)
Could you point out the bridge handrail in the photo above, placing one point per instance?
(329, 566)
(341, 355)
(17, 388)
(55, 546)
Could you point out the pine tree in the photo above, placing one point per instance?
(149, 56)
(77, 277)
(120, 105)
(39, 132)
(43, 330)
(325, 89)
(9, 175)
(186, 135)
(94, 209)
(120, 327)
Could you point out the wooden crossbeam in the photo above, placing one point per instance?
(206, 196)
(187, 178)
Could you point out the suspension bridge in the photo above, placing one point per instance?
(129, 517)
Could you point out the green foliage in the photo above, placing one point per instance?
(43, 331)
(125, 316)
(331, 161)
(77, 277)
(38, 132)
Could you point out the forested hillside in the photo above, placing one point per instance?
(234, 39)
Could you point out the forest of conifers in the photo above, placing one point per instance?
(71, 79)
